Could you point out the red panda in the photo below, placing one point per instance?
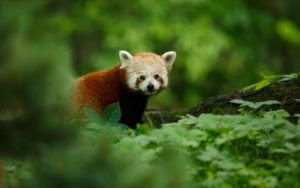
(131, 82)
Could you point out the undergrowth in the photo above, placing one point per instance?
(245, 150)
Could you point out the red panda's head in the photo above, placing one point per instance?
(147, 72)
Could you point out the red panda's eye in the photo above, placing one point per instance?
(142, 77)
(156, 76)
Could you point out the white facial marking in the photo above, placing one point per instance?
(148, 65)
(132, 80)
(156, 85)
(144, 85)
(165, 79)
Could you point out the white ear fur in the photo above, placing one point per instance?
(169, 58)
(126, 59)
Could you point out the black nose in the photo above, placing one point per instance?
(150, 87)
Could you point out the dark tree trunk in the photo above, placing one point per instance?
(287, 92)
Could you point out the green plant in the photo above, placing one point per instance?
(111, 116)
(254, 105)
(270, 79)
(244, 150)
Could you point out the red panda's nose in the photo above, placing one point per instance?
(150, 87)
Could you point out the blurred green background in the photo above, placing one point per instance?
(221, 45)
(45, 44)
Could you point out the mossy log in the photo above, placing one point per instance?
(287, 92)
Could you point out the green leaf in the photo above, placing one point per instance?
(266, 81)
(209, 154)
(229, 165)
(254, 105)
(278, 113)
(121, 125)
(92, 115)
(292, 147)
(269, 102)
(287, 77)
(248, 88)
(244, 103)
(298, 116)
(112, 113)
(262, 84)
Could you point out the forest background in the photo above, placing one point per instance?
(221, 45)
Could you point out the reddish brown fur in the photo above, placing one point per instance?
(160, 80)
(98, 89)
(138, 81)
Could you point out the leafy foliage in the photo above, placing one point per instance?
(92, 115)
(111, 116)
(270, 79)
(45, 44)
(254, 105)
(112, 113)
(206, 151)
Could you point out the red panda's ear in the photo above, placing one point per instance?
(169, 58)
(126, 59)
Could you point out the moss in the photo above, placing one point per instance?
(276, 93)
(218, 110)
(285, 92)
